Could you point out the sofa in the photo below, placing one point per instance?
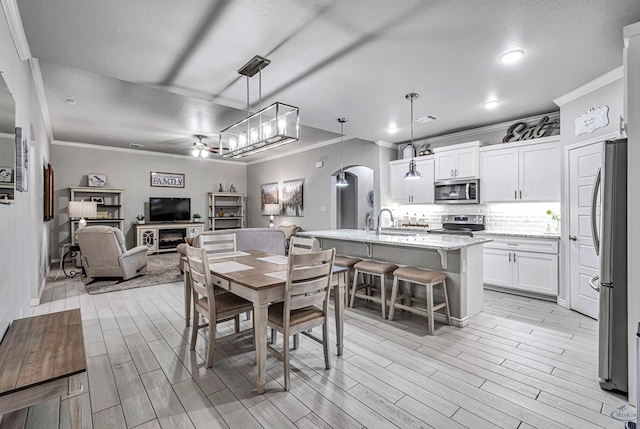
(266, 239)
(104, 253)
(289, 231)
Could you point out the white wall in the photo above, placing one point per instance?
(130, 169)
(24, 235)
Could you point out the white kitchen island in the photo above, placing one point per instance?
(459, 257)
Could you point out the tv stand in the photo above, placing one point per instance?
(165, 236)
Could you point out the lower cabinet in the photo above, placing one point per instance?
(528, 265)
(165, 237)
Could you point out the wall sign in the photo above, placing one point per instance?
(592, 119)
(167, 180)
(521, 131)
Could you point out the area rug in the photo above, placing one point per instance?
(162, 268)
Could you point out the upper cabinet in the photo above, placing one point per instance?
(456, 162)
(526, 172)
(418, 191)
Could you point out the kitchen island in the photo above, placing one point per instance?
(459, 257)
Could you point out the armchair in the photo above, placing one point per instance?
(104, 253)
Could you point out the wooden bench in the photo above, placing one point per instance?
(42, 357)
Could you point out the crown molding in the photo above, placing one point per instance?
(295, 151)
(139, 152)
(16, 29)
(595, 84)
(388, 145)
(34, 63)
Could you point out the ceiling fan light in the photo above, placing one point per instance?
(204, 153)
(195, 152)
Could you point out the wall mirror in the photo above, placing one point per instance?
(7, 144)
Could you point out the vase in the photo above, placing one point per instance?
(552, 227)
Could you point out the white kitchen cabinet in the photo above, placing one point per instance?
(522, 264)
(457, 161)
(527, 172)
(418, 191)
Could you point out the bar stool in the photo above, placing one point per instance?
(372, 268)
(347, 262)
(423, 277)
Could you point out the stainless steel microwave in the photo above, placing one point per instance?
(460, 191)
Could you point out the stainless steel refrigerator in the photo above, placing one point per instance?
(611, 246)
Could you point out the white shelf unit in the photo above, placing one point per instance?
(111, 213)
(233, 208)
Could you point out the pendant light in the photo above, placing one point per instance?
(413, 173)
(341, 182)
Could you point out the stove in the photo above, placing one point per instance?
(460, 225)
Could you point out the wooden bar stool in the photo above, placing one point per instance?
(423, 277)
(347, 262)
(372, 268)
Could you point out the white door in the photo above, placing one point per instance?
(445, 164)
(422, 190)
(499, 175)
(400, 188)
(466, 163)
(540, 172)
(536, 272)
(584, 162)
(498, 267)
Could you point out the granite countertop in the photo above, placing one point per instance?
(520, 234)
(424, 241)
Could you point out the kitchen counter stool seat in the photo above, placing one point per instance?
(347, 262)
(427, 278)
(373, 269)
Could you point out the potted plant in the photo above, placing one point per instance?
(140, 219)
(196, 217)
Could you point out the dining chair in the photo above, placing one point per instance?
(215, 307)
(306, 303)
(303, 245)
(217, 243)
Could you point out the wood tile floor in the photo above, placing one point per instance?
(521, 363)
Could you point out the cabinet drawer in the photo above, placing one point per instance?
(220, 282)
(523, 244)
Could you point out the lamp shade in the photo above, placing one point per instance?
(80, 209)
(271, 209)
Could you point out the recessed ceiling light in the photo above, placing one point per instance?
(491, 104)
(70, 101)
(511, 56)
(392, 128)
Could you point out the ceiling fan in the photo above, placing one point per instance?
(202, 150)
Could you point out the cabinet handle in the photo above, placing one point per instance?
(514, 257)
(452, 173)
(515, 195)
(456, 172)
(520, 193)
(509, 257)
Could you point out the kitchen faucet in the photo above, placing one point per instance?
(379, 229)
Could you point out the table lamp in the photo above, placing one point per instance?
(271, 210)
(82, 209)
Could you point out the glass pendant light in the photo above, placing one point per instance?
(413, 173)
(341, 182)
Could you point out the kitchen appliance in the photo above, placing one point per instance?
(460, 225)
(459, 191)
(611, 246)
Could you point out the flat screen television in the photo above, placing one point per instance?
(169, 209)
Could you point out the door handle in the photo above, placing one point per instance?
(592, 283)
(573, 238)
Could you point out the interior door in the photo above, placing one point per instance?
(584, 163)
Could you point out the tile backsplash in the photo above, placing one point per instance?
(516, 217)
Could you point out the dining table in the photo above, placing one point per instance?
(260, 277)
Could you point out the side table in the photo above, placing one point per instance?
(71, 253)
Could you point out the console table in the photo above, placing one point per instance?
(41, 358)
(165, 236)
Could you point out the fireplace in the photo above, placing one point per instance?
(170, 238)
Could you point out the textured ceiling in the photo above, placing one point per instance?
(156, 72)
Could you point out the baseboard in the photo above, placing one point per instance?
(458, 323)
(550, 298)
(563, 303)
(36, 301)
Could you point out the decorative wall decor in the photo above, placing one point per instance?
(268, 195)
(98, 200)
(167, 180)
(95, 180)
(521, 131)
(591, 120)
(48, 193)
(292, 198)
(22, 162)
(6, 174)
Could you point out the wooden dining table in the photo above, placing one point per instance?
(259, 277)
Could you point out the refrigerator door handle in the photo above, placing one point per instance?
(604, 337)
(593, 283)
(594, 221)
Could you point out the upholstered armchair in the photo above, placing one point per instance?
(104, 253)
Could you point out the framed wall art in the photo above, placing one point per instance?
(292, 198)
(48, 193)
(6, 174)
(268, 195)
(95, 180)
(22, 162)
(167, 180)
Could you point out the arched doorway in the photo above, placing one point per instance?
(355, 202)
